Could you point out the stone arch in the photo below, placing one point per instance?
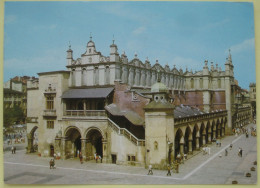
(217, 129)
(208, 133)
(94, 138)
(195, 135)
(187, 140)
(32, 140)
(73, 144)
(213, 130)
(202, 132)
(177, 141)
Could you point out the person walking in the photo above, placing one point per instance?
(241, 152)
(78, 153)
(150, 171)
(230, 146)
(100, 158)
(226, 152)
(12, 149)
(169, 170)
(80, 158)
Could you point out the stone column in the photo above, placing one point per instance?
(197, 143)
(84, 107)
(148, 78)
(88, 151)
(181, 148)
(214, 133)
(30, 144)
(203, 139)
(223, 132)
(104, 144)
(209, 137)
(63, 148)
(190, 147)
(83, 147)
(143, 74)
(219, 132)
(137, 77)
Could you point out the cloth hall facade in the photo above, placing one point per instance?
(128, 111)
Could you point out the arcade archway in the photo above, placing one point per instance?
(73, 142)
(94, 143)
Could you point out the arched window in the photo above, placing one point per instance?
(201, 83)
(192, 83)
(219, 83)
(155, 145)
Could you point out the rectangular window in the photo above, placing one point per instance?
(50, 124)
(49, 102)
(130, 157)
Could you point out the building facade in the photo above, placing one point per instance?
(130, 112)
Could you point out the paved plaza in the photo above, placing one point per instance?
(21, 168)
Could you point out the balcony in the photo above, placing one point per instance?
(90, 114)
(49, 113)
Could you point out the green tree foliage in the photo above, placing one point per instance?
(12, 116)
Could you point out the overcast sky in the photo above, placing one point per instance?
(37, 34)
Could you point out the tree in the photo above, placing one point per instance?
(12, 116)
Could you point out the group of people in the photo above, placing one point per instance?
(97, 157)
(13, 149)
(206, 150)
(173, 167)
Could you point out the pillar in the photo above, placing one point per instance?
(203, 139)
(181, 148)
(219, 133)
(197, 143)
(190, 147)
(63, 148)
(30, 144)
(209, 137)
(104, 144)
(83, 147)
(214, 133)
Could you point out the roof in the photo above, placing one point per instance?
(133, 117)
(159, 105)
(186, 111)
(87, 93)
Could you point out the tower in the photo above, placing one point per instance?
(69, 56)
(159, 128)
(229, 77)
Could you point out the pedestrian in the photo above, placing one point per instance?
(246, 134)
(226, 152)
(230, 146)
(169, 170)
(96, 157)
(241, 152)
(100, 158)
(150, 171)
(80, 158)
(52, 164)
(77, 153)
(12, 149)
(177, 167)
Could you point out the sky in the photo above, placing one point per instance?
(38, 34)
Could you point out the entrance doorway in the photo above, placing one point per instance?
(73, 143)
(113, 159)
(94, 143)
(51, 151)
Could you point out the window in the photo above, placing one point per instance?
(50, 124)
(49, 102)
(192, 83)
(219, 83)
(131, 158)
(201, 83)
(155, 145)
